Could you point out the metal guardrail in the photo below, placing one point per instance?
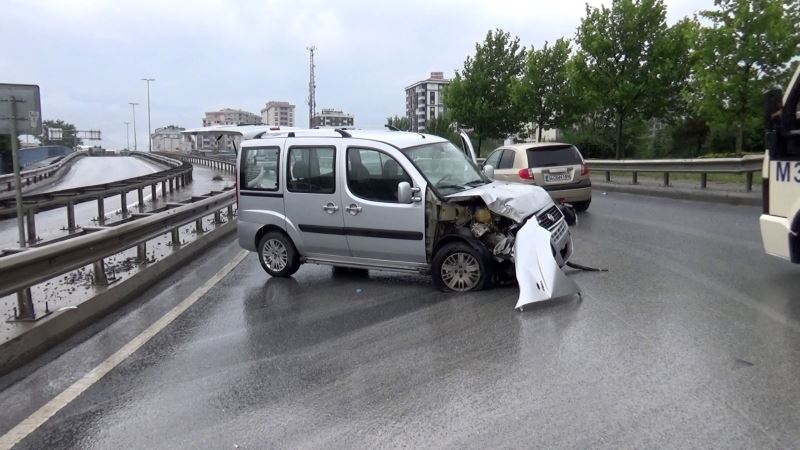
(32, 176)
(221, 164)
(747, 165)
(170, 179)
(20, 271)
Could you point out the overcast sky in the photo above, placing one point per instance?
(88, 56)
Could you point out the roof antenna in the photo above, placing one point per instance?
(392, 127)
(344, 134)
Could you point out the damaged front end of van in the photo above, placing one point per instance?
(519, 227)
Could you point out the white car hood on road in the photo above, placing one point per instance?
(513, 200)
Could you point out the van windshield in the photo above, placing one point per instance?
(446, 167)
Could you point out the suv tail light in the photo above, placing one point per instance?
(585, 169)
(526, 174)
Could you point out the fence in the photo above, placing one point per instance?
(747, 165)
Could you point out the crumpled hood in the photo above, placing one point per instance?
(513, 200)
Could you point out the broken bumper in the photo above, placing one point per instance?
(539, 275)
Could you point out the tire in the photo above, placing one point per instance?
(278, 255)
(458, 267)
(582, 206)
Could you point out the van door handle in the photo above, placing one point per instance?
(330, 208)
(353, 209)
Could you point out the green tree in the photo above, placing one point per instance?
(402, 123)
(630, 63)
(479, 96)
(69, 134)
(545, 92)
(745, 51)
(443, 126)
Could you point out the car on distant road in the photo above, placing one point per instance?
(556, 167)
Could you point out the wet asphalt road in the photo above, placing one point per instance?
(691, 340)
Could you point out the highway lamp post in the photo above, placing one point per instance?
(127, 135)
(133, 109)
(149, 131)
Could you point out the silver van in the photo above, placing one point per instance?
(385, 200)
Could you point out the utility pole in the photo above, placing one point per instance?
(127, 135)
(312, 88)
(149, 132)
(133, 108)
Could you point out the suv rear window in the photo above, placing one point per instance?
(554, 155)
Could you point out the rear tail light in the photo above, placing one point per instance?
(236, 186)
(526, 174)
(584, 169)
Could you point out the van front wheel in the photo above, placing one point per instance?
(457, 267)
(277, 255)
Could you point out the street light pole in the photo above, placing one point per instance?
(149, 131)
(133, 108)
(127, 135)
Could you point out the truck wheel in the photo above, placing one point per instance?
(277, 255)
(458, 267)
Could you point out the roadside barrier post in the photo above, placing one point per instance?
(25, 310)
(71, 216)
(101, 210)
(100, 278)
(31, 219)
(123, 201)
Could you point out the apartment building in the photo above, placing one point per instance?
(424, 100)
(278, 114)
(330, 117)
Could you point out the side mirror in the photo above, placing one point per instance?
(403, 192)
(488, 170)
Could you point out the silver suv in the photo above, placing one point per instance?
(385, 200)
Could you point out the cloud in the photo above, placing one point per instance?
(88, 55)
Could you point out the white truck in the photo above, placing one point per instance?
(780, 221)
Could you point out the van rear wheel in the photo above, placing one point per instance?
(458, 267)
(277, 255)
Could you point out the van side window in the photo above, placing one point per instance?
(311, 169)
(374, 175)
(259, 169)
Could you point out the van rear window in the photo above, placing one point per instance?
(554, 155)
(259, 169)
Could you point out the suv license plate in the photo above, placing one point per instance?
(556, 178)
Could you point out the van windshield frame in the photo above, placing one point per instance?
(445, 167)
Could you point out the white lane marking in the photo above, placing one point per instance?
(43, 414)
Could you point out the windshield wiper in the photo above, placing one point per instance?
(450, 186)
(474, 183)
